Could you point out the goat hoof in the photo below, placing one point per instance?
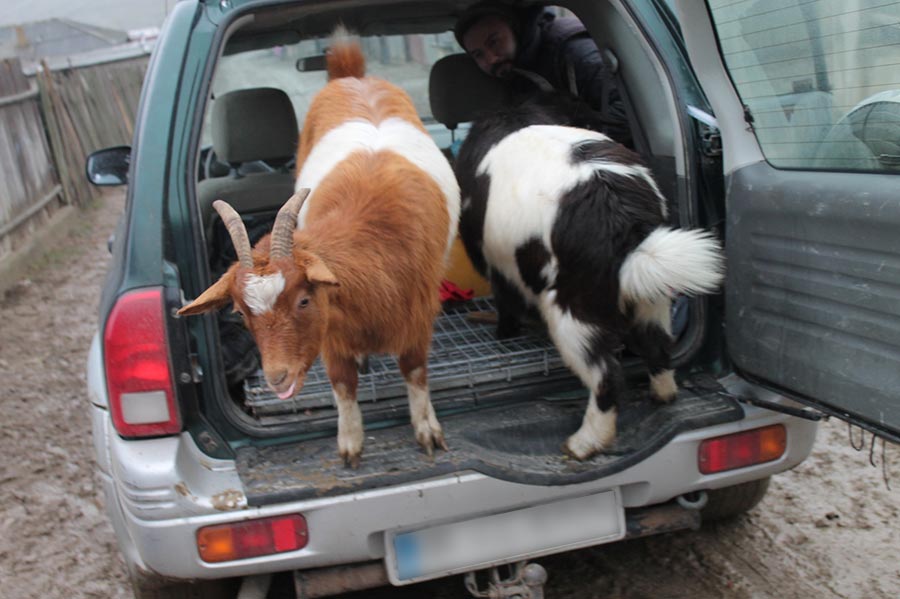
(427, 445)
(351, 456)
(662, 398)
(580, 451)
(438, 441)
(663, 387)
(351, 461)
(430, 439)
(568, 452)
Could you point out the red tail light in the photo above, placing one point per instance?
(742, 449)
(138, 374)
(240, 540)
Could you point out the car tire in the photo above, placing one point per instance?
(733, 501)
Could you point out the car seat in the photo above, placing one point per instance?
(254, 131)
(251, 126)
(459, 92)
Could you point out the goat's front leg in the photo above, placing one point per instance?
(585, 348)
(429, 434)
(343, 376)
(598, 428)
(510, 305)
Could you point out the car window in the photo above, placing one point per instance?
(404, 60)
(820, 79)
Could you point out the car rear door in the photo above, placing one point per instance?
(806, 96)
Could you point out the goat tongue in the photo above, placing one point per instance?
(287, 394)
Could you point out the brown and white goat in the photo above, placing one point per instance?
(361, 274)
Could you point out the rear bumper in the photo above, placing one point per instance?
(160, 491)
(335, 580)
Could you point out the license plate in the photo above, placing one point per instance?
(504, 538)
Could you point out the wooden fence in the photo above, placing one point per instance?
(48, 126)
(28, 181)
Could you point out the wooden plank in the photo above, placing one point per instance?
(45, 82)
(26, 166)
(73, 149)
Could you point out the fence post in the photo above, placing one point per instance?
(68, 151)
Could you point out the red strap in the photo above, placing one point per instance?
(450, 292)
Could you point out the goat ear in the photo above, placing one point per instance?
(317, 272)
(213, 298)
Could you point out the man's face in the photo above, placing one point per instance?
(492, 44)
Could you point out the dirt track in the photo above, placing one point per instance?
(826, 529)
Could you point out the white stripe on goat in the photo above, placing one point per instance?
(394, 134)
(261, 292)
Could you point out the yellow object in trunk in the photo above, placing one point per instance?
(461, 272)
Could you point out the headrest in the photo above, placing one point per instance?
(459, 91)
(254, 124)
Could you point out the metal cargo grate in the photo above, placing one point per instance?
(464, 354)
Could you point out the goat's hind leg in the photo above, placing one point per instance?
(343, 376)
(428, 431)
(651, 338)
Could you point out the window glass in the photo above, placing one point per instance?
(820, 78)
(404, 60)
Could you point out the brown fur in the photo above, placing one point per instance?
(380, 226)
(369, 99)
(345, 61)
(369, 261)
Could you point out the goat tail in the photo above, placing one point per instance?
(671, 261)
(345, 57)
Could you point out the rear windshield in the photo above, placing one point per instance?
(404, 60)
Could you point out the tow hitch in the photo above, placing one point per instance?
(525, 581)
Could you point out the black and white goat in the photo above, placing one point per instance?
(568, 221)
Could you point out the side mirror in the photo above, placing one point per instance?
(109, 166)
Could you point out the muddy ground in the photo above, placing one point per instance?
(827, 529)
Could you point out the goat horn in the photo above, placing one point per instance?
(237, 231)
(285, 223)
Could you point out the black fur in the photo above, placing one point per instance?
(488, 131)
(474, 204)
(540, 109)
(531, 258)
(653, 343)
(598, 223)
(511, 306)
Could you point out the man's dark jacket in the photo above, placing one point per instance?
(558, 48)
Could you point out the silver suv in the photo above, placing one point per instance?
(210, 478)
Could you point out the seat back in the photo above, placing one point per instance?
(248, 126)
(459, 91)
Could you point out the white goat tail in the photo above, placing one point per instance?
(671, 261)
